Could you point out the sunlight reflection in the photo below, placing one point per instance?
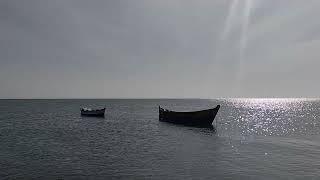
(267, 103)
(272, 116)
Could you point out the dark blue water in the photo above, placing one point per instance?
(253, 139)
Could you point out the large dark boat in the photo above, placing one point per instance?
(93, 112)
(195, 118)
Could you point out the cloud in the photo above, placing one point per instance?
(79, 48)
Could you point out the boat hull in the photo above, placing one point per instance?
(197, 118)
(94, 113)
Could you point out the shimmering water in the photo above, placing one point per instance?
(253, 139)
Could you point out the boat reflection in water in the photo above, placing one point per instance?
(202, 118)
(93, 112)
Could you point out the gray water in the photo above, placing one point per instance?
(252, 139)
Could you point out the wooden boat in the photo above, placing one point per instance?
(93, 112)
(196, 118)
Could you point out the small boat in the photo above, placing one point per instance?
(93, 112)
(202, 118)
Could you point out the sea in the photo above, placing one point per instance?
(250, 139)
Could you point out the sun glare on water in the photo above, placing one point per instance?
(267, 103)
(272, 116)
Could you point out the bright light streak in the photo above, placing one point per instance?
(230, 20)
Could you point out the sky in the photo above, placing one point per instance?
(159, 48)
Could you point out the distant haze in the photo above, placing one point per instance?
(159, 48)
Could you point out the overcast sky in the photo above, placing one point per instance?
(159, 48)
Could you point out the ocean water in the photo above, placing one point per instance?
(252, 139)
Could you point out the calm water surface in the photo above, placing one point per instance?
(252, 139)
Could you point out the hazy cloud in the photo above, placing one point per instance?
(169, 48)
